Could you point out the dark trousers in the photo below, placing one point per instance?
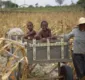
(79, 64)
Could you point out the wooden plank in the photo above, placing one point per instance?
(48, 52)
(47, 78)
(58, 68)
(48, 49)
(52, 61)
(51, 44)
(34, 49)
(62, 49)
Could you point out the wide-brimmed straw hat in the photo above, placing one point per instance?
(81, 21)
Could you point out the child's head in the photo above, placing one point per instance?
(30, 26)
(44, 25)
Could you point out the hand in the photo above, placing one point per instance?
(44, 39)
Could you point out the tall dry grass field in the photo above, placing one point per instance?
(16, 19)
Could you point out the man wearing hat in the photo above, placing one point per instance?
(78, 48)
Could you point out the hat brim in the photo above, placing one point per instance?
(81, 23)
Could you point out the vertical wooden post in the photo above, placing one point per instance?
(48, 49)
(34, 49)
(58, 68)
(62, 48)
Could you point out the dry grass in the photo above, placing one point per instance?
(10, 20)
(12, 64)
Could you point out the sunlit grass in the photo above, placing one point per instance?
(14, 19)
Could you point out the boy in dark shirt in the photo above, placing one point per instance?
(31, 33)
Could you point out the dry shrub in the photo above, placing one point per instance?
(14, 19)
(13, 62)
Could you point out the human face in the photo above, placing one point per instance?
(82, 27)
(44, 26)
(30, 26)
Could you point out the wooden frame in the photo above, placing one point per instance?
(49, 52)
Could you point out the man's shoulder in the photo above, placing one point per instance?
(75, 28)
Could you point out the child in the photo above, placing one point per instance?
(78, 48)
(31, 33)
(45, 32)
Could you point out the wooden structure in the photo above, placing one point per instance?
(49, 52)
